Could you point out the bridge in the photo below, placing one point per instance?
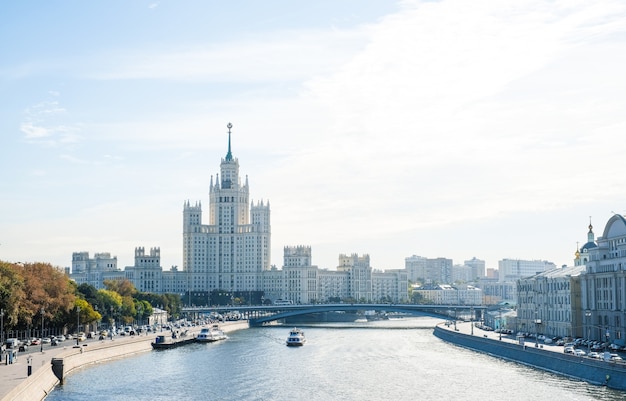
(259, 315)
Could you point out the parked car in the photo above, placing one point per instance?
(568, 350)
(579, 352)
(594, 355)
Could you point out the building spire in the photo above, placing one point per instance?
(229, 156)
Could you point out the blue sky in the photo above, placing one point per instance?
(443, 128)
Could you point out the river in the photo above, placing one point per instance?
(398, 359)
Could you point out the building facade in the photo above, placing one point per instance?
(603, 286)
(515, 269)
(94, 271)
(233, 249)
(548, 302)
(429, 271)
(231, 253)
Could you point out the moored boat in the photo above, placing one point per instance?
(296, 337)
(162, 342)
(211, 334)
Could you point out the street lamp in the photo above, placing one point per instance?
(500, 323)
(588, 316)
(97, 321)
(77, 323)
(41, 339)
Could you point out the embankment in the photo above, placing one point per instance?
(594, 371)
(43, 380)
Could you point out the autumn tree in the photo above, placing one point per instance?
(123, 287)
(12, 293)
(45, 287)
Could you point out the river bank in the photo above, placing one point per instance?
(16, 385)
(548, 358)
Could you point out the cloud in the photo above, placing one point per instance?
(34, 132)
(279, 56)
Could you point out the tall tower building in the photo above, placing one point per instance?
(232, 250)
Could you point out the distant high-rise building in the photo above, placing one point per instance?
(478, 267)
(94, 271)
(232, 250)
(437, 271)
(514, 269)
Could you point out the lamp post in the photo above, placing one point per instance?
(472, 319)
(96, 308)
(41, 339)
(608, 336)
(2, 324)
(536, 330)
(500, 323)
(588, 316)
(77, 323)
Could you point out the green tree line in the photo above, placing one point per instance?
(28, 290)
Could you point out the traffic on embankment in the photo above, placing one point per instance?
(35, 374)
(552, 358)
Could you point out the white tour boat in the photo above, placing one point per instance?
(296, 337)
(211, 334)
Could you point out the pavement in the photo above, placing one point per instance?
(13, 375)
(466, 328)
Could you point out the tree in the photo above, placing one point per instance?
(45, 287)
(123, 287)
(11, 293)
(110, 303)
(88, 292)
(86, 313)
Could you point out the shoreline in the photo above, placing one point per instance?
(18, 386)
(543, 357)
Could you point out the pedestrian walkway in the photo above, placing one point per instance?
(12, 375)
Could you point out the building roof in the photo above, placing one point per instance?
(570, 271)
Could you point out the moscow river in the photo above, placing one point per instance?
(397, 359)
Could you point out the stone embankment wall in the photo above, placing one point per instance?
(43, 380)
(593, 371)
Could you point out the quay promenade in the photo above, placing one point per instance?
(609, 373)
(16, 385)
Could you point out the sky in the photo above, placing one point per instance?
(450, 128)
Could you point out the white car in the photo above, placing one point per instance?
(579, 352)
(568, 350)
(594, 355)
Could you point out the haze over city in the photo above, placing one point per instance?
(439, 128)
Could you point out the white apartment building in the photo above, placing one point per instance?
(603, 285)
(94, 271)
(233, 249)
(430, 271)
(477, 266)
(548, 302)
(146, 274)
(232, 253)
(444, 294)
(514, 269)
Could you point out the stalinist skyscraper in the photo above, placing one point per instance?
(230, 252)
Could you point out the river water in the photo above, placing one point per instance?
(386, 360)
